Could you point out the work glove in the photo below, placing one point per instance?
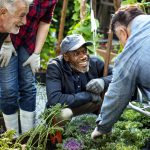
(7, 50)
(34, 62)
(95, 86)
(96, 98)
(95, 134)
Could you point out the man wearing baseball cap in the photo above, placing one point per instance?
(68, 75)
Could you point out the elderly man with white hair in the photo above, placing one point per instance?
(17, 73)
(12, 16)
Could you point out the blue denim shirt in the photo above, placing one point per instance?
(68, 87)
(131, 69)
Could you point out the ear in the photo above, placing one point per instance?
(123, 35)
(3, 11)
(66, 57)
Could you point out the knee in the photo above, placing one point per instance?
(66, 114)
(9, 91)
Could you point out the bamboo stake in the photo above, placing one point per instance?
(61, 26)
(110, 37)
(108, 51)
(117, 4)
(82, 10)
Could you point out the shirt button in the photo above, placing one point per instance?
(78, 86)
(78, 76)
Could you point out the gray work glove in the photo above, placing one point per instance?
(7, 50)
(95, 86)
(96, 98)
(34, 62)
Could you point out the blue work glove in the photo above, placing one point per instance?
(95, 86)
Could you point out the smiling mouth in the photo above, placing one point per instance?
(18, 26)
(83, 64)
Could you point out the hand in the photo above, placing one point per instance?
(95, 134)
(95, 86)
(96, 98)
(5, 53)
(34, 62)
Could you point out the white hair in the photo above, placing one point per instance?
(10, 4)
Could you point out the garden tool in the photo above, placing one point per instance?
(144, 108)
(11, 123)
(140, 110)
(27, 120)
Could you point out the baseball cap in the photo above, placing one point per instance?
(73, 42)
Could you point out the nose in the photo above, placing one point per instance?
(83, 55)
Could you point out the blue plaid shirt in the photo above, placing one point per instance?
(131, 69)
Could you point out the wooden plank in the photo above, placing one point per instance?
(103, 53)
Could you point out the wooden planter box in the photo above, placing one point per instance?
(103, 53)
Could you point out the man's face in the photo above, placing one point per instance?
(13, 20)
(78, 59)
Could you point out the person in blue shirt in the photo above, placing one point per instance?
(68, 74)
(131, 67)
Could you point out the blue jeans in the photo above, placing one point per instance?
(17, 85)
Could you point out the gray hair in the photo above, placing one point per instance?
(10, 4)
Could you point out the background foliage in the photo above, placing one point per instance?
(74, 25)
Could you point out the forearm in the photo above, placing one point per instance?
(111, 110)
(71, 100)
(41, 36)
(8, 39)
(115, 101)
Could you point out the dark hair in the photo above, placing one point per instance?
(125, 15)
